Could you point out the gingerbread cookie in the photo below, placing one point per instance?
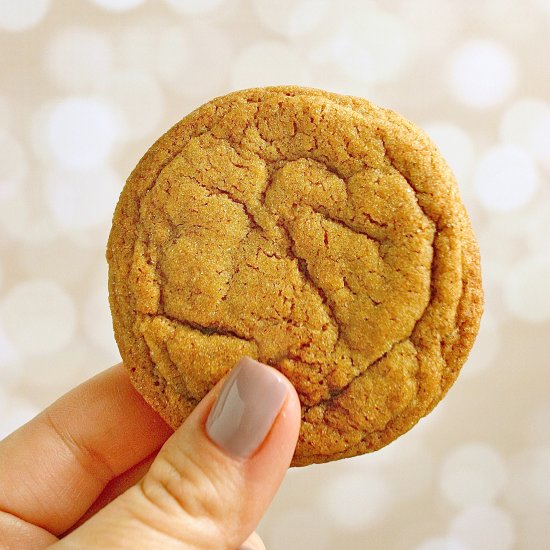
(315, 232)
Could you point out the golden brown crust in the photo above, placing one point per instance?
(315, 232)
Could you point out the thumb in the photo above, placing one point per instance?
(214, 478)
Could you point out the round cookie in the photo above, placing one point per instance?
(315, 232)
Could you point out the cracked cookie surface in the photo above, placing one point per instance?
(314, 232)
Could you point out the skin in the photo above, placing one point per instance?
(100, 469)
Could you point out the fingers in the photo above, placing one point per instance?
(214, 478)
(116, 487)
(16, 533)
(253, 542)
(56, 466)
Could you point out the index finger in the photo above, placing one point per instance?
(55, 466)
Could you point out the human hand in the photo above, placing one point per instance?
(87, 472)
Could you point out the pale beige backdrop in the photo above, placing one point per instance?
(87, 85)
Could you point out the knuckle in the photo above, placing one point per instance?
(183, 484)
(185, 498)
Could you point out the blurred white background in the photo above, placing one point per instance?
(87, 85)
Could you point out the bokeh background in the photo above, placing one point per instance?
(87, 85)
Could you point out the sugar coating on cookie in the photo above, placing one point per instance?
(315, 232)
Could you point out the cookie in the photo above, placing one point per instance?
(312, 231)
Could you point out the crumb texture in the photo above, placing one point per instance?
(314, 232)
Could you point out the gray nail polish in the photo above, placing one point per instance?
(246, 408)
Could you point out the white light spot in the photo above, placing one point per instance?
(25, 219)
(455, 145)
(527, 289)
(292, 527)
(502, 242)
(435, 22)
(6, 113)
(20, 15)
(79, 59)
(56, 373)
(89, 237)
(402, 450)
(432, 423)
(486, 347)
(534, 528)
(195, 60)
(118, 5)
(529, 487)
(537, 228)
(8, 357)
(340, 84)
(520, 121)
(539, 475)
(3, 401)
(520, 24)
(82, 132)
(506, 178)
(186, 7)
(372, 46)
(58, 259)
(291, 17)
(330, 50)
(38, 316)
(18, 413)
(527, 123)
(39, 140)
(98, 322)
(381, 46)
(412, 475)
(544, 5)
(174, 54)
(537, 426)
(484, 528)
(135, 45)
(79, 200)
(269, 63)
(473, 473)
(503, 236)
(441, 543)
(493, 275)
(483, 73)
(139, 100)
(14, 166)
(357, 501)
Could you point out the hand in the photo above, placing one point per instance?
(87, 472)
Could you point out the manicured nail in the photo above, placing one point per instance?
(246, 408)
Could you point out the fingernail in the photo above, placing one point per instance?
(246, 408)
